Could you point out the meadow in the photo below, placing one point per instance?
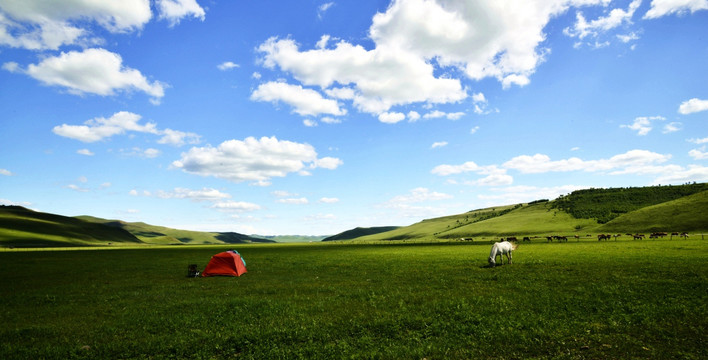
(576, 300)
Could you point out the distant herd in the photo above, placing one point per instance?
(600, 237)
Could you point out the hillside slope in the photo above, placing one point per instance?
(358, 232)
(647, 209)
(687, 214)
(21, 227)
(153, 234)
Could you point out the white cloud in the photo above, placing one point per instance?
(328, 200)
(445, 170)
(330, 120)
(693, 106)
(438, 144)
(93, 71)
(661, 8)
(86, 152)
(642, 125)
(322, 9)
(119, 123)
(692, 173)
(698, 141)
(380, 78)
(309, 122)
(5, 172)
(522, 193)
(633, 160)
(698, 154)
(174, 10)
(304, 101)
(41, 25)
(252, 159)
(474, 130)
(439, 114)
(236, 206)
(99, 128)
(327, 163)
(413, 116)
(294, 201)
(227, 65)
(391, 117)
(178, 138)
(418, 195)
(672, 127)
(205, 194)
(615, 18)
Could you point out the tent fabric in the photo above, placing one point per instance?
(227, 263)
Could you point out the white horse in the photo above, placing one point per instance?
(500, 249)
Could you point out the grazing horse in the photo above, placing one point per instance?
(601, 237)
(500, 249)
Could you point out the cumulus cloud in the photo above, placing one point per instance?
(174, 10)
(204, 194)
(391, 117)
(100, 128)
(661, 8)
(492, 175)
(683, 175)
(438, 144)
(328, 200)
(523, 193)
(236, 206)
(699, 154)
(642, 125)
(693, 106)
(294, 201)
(41, 25)
(379, 78)
(616, 17)
(632, 161)
(93, 71)
(85, 152)
(5, 172)
(253, 159)
(304, 101)
(227, 65)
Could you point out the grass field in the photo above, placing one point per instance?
(576, 300)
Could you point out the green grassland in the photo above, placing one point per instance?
(682, 208)
(539, 219)
(396, 300)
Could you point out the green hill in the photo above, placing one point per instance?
(687, 214)
(360, 231)
(21, 227)
(646, 209)
(153, 234)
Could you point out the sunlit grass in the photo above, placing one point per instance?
(588, 299)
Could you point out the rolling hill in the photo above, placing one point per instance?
(357, 232)
(681, 208)
(21, 227)
(618, 210)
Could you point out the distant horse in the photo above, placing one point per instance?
(500, 249)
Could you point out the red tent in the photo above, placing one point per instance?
(228, 263)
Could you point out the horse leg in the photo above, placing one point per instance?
(508, 257)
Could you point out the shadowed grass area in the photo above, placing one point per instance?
(589, 299)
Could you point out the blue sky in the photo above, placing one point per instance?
(314, 117)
